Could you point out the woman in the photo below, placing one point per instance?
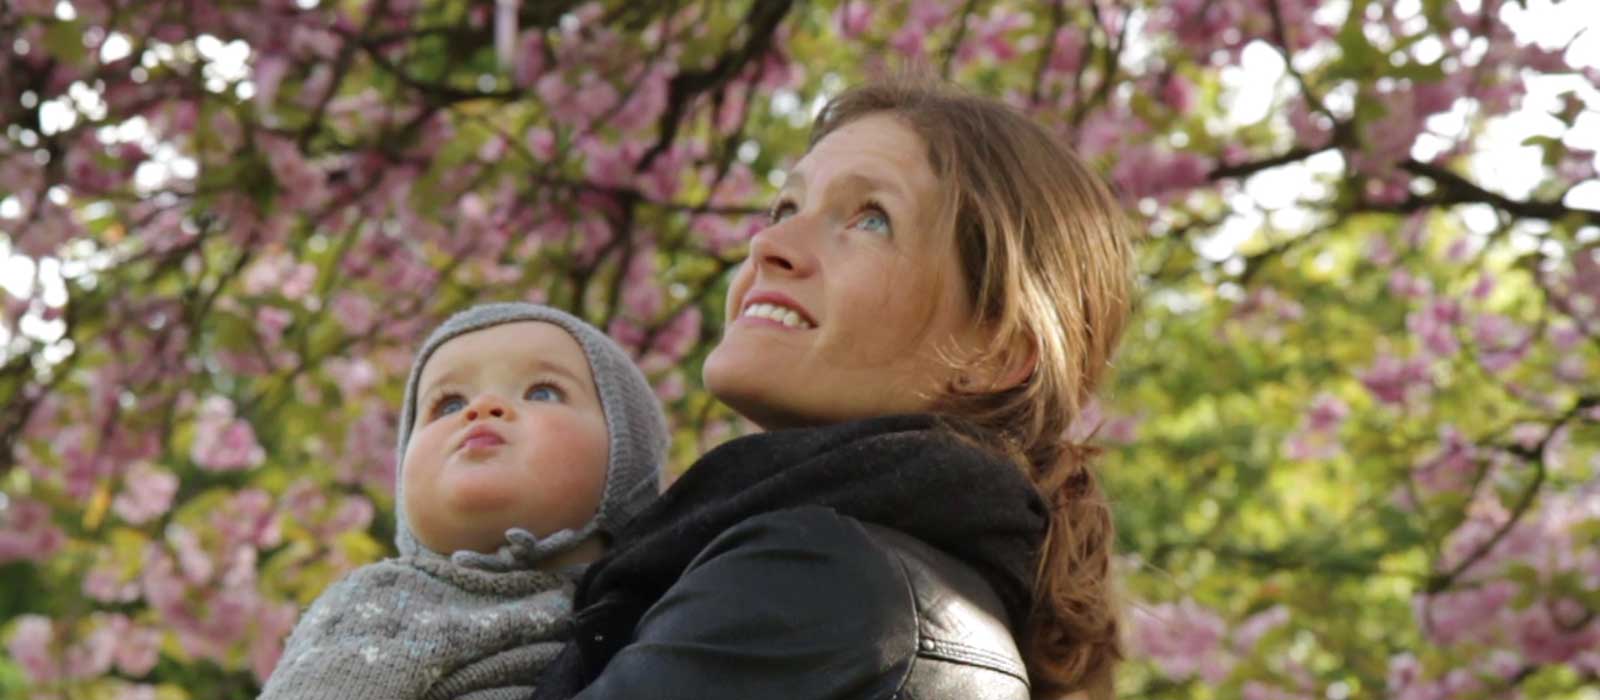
(940, 290)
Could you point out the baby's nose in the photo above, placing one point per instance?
(488, 406)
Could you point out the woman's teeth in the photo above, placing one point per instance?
(777, 313)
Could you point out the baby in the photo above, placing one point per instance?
(525, 438)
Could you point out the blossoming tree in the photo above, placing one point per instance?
(1352, 443)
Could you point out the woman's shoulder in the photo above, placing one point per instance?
(935, 622)
(805, 602)
(965, 645)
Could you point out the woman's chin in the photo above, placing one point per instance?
(755, 395)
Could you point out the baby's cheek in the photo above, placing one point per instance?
(580, 452)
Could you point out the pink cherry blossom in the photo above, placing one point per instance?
(1464, 614)
(1257, 690)
(732, 108)
(1253, 628)
(104, 583)
(1543, 60)
(1572, 368)
(355, 312)
(852, 18)
(908, 41)
(1483, 287)
(249, 518)
(1266, 310)
(84, 171)
(579, 104)
(1144, 171)
(1202, 26)
(1501, 342)
(721, 234)
(1393, 379)
(541, 142)
(223, 442)
(273, 624)
(267, 73)
(1094, 424)
(671, 388)
(147, 493)
(300, 183)
(1403, 283)
(1405, 674)
(926, 14)
(1183, 639)
(1317, 435)
(31, 646)
(529, 64)
(678, 335)
(368, 454)
(136, 691)
(355, 375)
(309, 41)
(1452, 467)
(1327, 413)
(641, 294)
(1550, 633)
(279, 274)
(592, 234)
(270, 324)
(1577, 166)
(1435, 326)
(646, 99)
(1177, 93)
(1066, 55)
(1311, 128)
(354, 514)
(40, 8)
(627, 333)
(987, 36)
(26, 530)
(92, 654)
(195, 564)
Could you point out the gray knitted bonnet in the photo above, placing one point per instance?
(634, 423)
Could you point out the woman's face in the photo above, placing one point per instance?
(847, 298)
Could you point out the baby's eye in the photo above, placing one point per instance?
(447, 404)
(545, 392)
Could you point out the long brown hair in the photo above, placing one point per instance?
(1046, 254)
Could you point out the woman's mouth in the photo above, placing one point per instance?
(789, 318)
(777, 308)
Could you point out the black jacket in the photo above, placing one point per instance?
(878, 559)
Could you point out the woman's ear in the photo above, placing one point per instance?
(1016, 365)
(1007, 369)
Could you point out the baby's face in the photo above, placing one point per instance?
(509, 433)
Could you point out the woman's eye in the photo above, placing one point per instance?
(544, 392)
(782, 210)
(447, 404)
(873, 219)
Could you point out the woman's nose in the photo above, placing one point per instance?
(489, 405)
(784, 248)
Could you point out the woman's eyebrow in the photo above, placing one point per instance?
(793, 180)
(856, 182)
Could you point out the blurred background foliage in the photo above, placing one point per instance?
(1352, 439)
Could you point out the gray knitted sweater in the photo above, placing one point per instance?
(424, 625)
